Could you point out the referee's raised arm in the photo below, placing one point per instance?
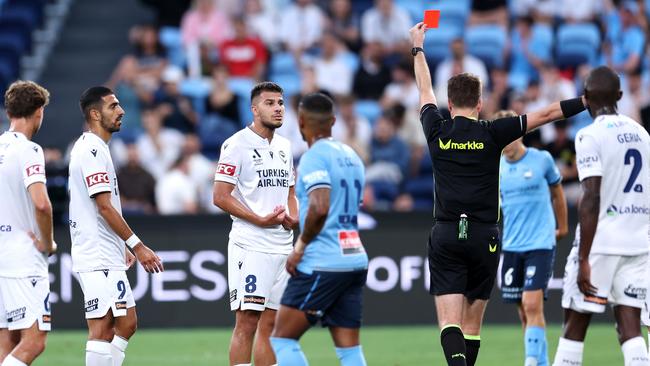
(422, 74)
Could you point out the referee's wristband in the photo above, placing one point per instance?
(132, 241)
(571, 107)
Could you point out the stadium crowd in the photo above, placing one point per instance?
(185, 86)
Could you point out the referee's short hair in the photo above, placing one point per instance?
(464, 90)
(265, 86)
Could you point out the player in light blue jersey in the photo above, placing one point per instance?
(535, 216)
(328, 264)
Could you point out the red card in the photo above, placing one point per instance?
(431, 18)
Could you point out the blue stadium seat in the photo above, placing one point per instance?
(368, 108)
(16, 27)
(283, 70)
(241, 86)
(488, 43)
(577, 44)
(436, 44)
(385, 191)
(351, 59)
(213, 130)
(9, 63)
(453, 13)
(170, 38)
(35, 9)
(415, 8)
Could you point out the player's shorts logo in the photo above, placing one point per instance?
(35, 169)
(251, 299)
(97, 178)
(226, 169)
(233, 295)
(92, 305)
(47, 319)
(16, 315)
(120, 305)
(635, 292)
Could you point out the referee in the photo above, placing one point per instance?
(464, 243)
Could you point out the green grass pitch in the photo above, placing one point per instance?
(383, 346)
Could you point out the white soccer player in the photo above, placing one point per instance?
(26, 235)
(99, 234)
(254, 183)
(609, 260)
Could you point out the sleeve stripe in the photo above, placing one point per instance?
(319, 185)
(558, 181)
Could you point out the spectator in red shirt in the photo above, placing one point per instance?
(244, 55)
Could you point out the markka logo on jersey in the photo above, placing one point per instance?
(226, 169)
(453, 145)
(97, 178)
(35, 169)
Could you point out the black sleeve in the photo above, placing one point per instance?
(508, 129)
(430, 118)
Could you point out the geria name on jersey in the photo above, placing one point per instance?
(273, 178)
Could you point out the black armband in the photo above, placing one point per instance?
(571, 107)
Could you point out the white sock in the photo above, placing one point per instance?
(244, 364)
(569, 353)
(98, 353)
(118, 347)
(634, 352)
(10, 360)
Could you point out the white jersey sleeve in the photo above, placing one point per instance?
(95, 171)
(588, 156)
(229, 166)
(32, 162)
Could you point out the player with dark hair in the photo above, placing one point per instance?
(254, 183)
(26, 233)
(465, 240)
(99, 234)
(612, 236)
(328, 263)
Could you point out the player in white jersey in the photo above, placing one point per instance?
(26, 235)
(99, 233)
(608, 262)
(254, 183)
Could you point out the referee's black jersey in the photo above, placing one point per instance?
(465, 155)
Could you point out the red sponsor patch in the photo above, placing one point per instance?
(97, 178)
(226, 169)
(35, 169)
(350, 242)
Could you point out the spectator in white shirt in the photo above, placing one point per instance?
(201, 170)
(262, 24)
(387, 24)
(176, 193)
(402, 90)
(333, 74)
(301, 26)
(352, 129)
(459, 62)
(159, 146)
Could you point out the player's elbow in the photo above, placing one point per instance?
(104, 208)
(218, 199)
(43, 207)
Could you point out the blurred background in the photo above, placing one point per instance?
(183, 71)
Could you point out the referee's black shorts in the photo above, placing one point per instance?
(467, 267)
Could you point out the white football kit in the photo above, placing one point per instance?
(262, 174)
(24, 284)
(617, 149)
(98, 253)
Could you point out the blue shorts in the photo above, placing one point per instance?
(525, 271)
(334, 298)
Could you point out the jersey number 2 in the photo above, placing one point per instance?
(633, 156)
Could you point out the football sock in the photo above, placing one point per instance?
(10, 360)
(98, 353)
(472, 345)
(247, 364)
(634, 352)
(288, 352)
(533, 345)
(453, 345)
(118, 347)
(351, 356)
(543, 360)
(569, 353)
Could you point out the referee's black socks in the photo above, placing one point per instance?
(453, 345)
(472, 344)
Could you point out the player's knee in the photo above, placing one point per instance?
(247, 322)
(34, 345)
(531, 307)
(104, 334)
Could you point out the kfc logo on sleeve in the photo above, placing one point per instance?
(226, 169)
(97, 178)
(35, 169)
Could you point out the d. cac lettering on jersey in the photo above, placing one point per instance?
(617, 148)
(262, 174)
(21, 165)
(95, 246)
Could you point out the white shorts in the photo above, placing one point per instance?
(105, 290)
(24, 301)
(256, 280)
(619, 280)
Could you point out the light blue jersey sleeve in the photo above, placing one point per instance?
(314, 172)
(552, 175)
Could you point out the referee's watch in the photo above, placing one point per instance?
(415, 50)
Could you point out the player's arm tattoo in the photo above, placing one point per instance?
(588, 214)
(319, 206)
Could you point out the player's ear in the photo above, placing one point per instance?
(479, 106)
(333, 121)
(620, 95)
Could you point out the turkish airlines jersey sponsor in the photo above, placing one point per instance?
(95, 246)
(21, 165)
(262, 173)
(617, 148)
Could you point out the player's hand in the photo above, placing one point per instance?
(417, 34)
(289, 222)
(149, 260)
(130, 259)
(559, 234)
(295, 257)
(274, 218)
(584, 278)
(42, 246)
